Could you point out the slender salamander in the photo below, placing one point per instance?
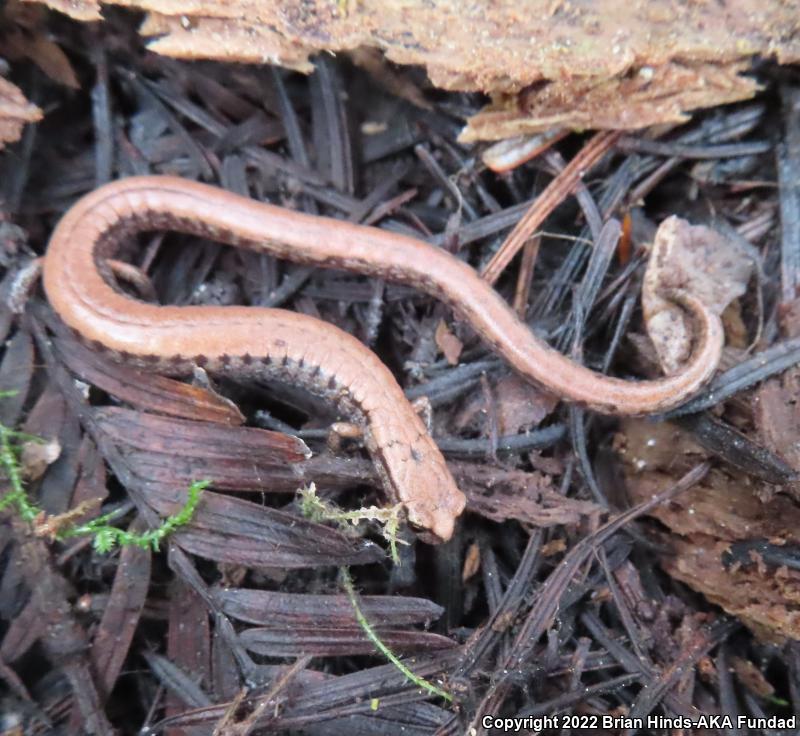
(275, 343)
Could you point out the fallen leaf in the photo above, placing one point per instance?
(520, 406)
(694, 259)
(516, 406)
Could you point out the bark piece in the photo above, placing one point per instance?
(707, 521)
(501, 495)
(146, 391)
(608, 64)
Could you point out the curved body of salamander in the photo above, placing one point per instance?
(315, 354)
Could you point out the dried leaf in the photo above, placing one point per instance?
(516, 406)
(520, 406)
(698, 260)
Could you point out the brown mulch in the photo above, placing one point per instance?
(571, 586)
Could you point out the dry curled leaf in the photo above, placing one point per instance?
(694, 259)
(605, 64)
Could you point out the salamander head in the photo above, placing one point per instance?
(416, 475)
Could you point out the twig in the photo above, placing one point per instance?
(548, 200)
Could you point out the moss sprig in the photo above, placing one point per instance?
(421, 682)
(106, 536)
(317, 509)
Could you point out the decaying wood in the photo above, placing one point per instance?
(610, 64)
(710, 520)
